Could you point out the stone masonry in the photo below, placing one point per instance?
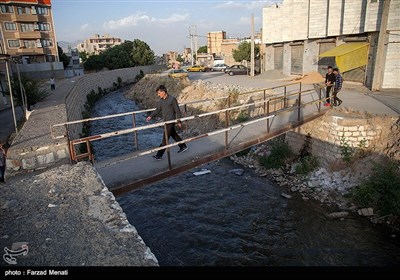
(338, 128)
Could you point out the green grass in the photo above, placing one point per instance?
(306, 165)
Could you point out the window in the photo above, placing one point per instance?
(27, 27)
(13, 43)
(30, 44)
(5, 9)
(44, 26)
(10, 26)
(42, 11)
(46, 43)
(24, 10)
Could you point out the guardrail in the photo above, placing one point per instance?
(265, 103)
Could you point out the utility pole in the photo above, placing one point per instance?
(381, 49)
(252, 47)
(193, 42)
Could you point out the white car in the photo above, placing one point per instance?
(219, 67)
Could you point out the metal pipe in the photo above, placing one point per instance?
(135, 132)
(11, 97)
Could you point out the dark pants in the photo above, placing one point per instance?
(2, 173)
(328, 91)
(53, 87)
(171, 132)
(335, 98)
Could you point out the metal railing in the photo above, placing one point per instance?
(265, 103)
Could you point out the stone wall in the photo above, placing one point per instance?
(377, 134)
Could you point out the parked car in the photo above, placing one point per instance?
(237, 70)
(196, 68)
(178, 73)
(219, 67)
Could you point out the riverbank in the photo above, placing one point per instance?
(325, 185)
(67, 217)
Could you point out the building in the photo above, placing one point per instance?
(227, 47)
(97, 44)
(214, 42)
(360, 37)
(187, 55)
(74, 67)
(27, 41)
(27, 31)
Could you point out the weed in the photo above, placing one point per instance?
(345, 150)
(381, 191)
(280, 152)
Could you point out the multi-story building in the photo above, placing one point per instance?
(214, 42)
(27, 31)
(360, 37)
(74, 67)
(97, 44)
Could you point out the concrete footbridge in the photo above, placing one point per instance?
(235, 125)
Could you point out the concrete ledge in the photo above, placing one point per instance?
(68, 217)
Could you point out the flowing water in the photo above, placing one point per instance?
(224, 219)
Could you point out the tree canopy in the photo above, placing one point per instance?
(202, 49)
(244, 52)
(63, 57)
(127, 54)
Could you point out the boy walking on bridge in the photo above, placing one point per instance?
(337, 88)
(169, 109)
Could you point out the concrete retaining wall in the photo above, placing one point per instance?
(335, 129)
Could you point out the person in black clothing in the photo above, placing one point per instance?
(169, 109)
(330, 79)
(2, 163)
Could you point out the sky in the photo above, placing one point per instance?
(164, 25)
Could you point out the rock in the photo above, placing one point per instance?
(9, 204)
(305, 198)
(238, 171)
(202, 172)
(366, 212)
(288, 196)
(293, 189)
(336, 215)
(5, 236)
(51, 205)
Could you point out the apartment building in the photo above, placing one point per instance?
(97, 44)
(27, 31)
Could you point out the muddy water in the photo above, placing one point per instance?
(224, 219)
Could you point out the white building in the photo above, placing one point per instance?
(97, 43)
(297, 32)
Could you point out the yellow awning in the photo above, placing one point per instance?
(349, 56)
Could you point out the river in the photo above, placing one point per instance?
(221, 219)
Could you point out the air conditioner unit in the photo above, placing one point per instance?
(39, 45)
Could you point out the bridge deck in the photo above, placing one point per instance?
(125, 173)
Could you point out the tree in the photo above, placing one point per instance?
(180, 58)
(202, 49)
(244, 52)
(84, 56)
(63, 57)
(141, 53)
(116, 57)
(94, 62)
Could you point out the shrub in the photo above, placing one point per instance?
(307, 164)
(242, 117)
(345, 150)
(280, 152)
(243, 152)
(381, 191)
